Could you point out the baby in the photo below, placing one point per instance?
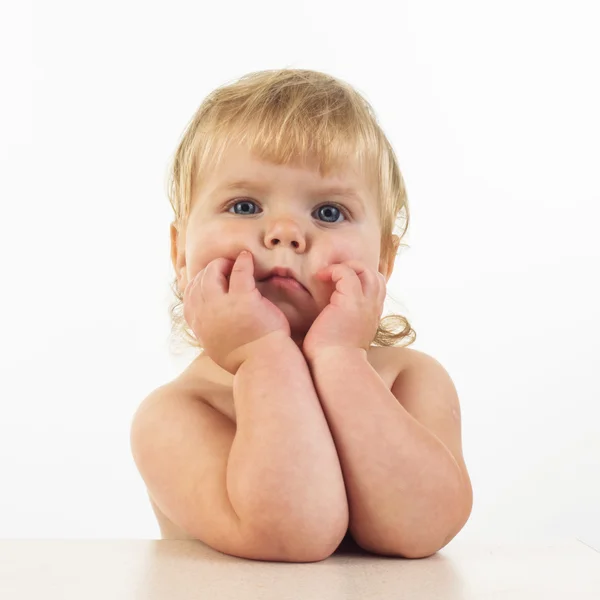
(303, 426)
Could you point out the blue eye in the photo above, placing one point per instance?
(331, 210)
(242, 202)
(328, 208)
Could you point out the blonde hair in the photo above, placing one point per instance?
(283, 115)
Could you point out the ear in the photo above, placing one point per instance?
(178, 254)
(388, 257)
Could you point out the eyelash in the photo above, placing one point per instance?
(341, 208)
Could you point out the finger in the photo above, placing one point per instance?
(369, 281)
(373, 282)
(192, 283)
(345, 279)
(214, 280)
(367, 277)
(242, 275)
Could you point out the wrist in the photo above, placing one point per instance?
(269, 347)
(335, 352)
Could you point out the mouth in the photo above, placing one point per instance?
(287, 283)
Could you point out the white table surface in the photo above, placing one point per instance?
(173, 569)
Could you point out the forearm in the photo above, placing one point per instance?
(283, 473)
(403, 484)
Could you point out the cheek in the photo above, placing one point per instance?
(347, 250)
(210, 242)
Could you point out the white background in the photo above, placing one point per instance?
(492, 109)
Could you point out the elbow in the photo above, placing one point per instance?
(397, 548)
(416, 545)
(421, 548)
(418, 553)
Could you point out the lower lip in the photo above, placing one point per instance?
(285, 282)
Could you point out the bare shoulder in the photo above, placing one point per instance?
(393, 359)
(180, 446)
(422, 384)
(426, 390)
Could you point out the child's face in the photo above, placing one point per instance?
(282, 222)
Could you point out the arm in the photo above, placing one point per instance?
(283, 472)
(407, 495)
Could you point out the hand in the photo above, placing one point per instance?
(227, 317)
(351, 318)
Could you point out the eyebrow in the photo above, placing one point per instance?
(245, 184)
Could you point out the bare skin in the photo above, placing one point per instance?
(214, 386)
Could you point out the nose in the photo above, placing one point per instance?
(285, 232)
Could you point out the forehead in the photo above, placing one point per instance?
(238, 167)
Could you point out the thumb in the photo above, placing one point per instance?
(242, 274)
